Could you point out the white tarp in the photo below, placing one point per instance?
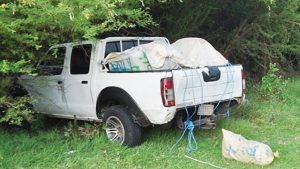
(197, 52)
(158, 55)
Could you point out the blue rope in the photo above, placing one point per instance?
(179, 139)
(224, 90)
(230, 99)
(192, 143)
(202, 100)
(188, 124)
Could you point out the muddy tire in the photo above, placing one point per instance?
(120, 126)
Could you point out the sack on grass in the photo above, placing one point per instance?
(236, 147)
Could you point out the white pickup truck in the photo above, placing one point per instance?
(73, 83)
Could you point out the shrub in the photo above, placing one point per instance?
(16, 110)
(272, 84)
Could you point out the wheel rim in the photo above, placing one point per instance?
(115, 129)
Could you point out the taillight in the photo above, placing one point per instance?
(244, 81)
(167, 92)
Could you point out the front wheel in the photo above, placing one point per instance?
(120, 126)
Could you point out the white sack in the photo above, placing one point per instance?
(236, 147)
(129, 60)
(197, 52)
(151, 56)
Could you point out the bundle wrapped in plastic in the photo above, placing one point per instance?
(160, 55)
(151, 56)
(236, 147)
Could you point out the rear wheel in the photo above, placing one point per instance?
(120, 126)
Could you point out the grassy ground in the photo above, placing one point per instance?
(276, 123)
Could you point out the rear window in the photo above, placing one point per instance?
(144, 42)
(127, 44)
(112, 47)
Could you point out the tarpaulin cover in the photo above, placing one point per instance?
(197, 52)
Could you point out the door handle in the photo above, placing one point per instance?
(59, 82)
(214, 74)
(84, 82)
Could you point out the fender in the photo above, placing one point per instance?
(116, 96)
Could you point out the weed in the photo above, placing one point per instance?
(15, 110)
(273, 85)
(87, 130)
(273, 122)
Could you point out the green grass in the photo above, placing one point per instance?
(276, 123)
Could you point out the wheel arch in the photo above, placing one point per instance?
(111, 96)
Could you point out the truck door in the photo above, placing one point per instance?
(77, 82)
(47, 87)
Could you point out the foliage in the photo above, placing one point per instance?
(273, 123)
(29, 27)
(87, 130)
(253, 33)
(16, 110)
(271, 37)
(272, 84)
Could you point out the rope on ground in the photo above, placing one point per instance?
(188, 124)
(203, 162)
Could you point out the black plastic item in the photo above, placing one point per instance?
(214, 74)
(84, 82)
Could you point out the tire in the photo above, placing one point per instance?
(120, 127)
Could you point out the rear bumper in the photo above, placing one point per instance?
(167, 114)
(160, 116)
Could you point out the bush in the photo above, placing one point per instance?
(29, 27)
(272, 84)
(16, 110)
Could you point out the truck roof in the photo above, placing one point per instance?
(109, 39)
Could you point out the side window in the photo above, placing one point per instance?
(53, 62)
(80, 59)
(129, 44)
(112, 47)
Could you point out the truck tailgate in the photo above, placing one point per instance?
(190, 87)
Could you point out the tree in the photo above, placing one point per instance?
(253, 33)
(29, 27)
